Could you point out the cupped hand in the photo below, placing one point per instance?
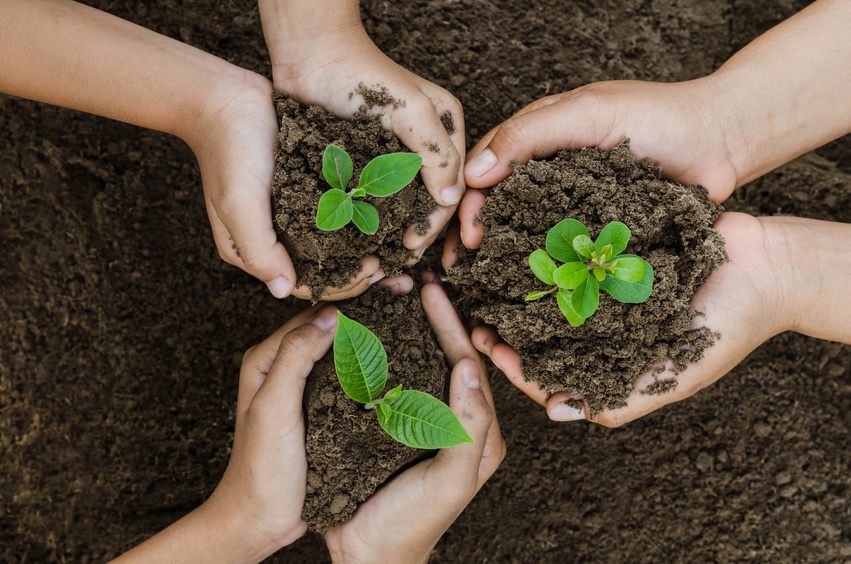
(780, 270)
(330, 70)
(235, 147)
(263, 487)
(675, 124)
(404, 519)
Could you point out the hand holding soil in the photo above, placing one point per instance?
(322, 56)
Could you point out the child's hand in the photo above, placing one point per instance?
(784, 274)
(405, 518)
(321, 55)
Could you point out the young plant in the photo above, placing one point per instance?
(588, 268)
(383, 176)
(413, 418)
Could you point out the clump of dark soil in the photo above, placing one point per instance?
(348, 453)
(671, 228)
(323, 258)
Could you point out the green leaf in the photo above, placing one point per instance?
(357, 193)
(360, 360)
(365, 217)
(630, 292)
(560, 240)
(600, 274)
(583, 246)
(606, 253)
(385, 409)
(393, 394)
(421, 421)
(336, 167)
(334, 210)
(563, 298)
(586, 297)
(537, 295)
(387, 174)
(570, 275)
(615, 234)
(628, 268)
(542, 266)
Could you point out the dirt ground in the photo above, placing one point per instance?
(122, 331)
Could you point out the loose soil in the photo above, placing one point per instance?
(671, 228)
(122, 331)
(348, 453)
(323, 258)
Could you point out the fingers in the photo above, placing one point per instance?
(258, 359)
(283, 387)
(472, 229)
(242, 228)
(399, 285)
(369, 274)
(488, 342)
(564, 122)
(447, 326)
(452, 242)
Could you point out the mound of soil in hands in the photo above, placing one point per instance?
(323, 258)
(348, 453)
(671, 228)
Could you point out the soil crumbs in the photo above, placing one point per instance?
(348, 453)
(323, 258)
(671, 228)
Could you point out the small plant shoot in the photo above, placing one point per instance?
(383, 176)
(589, 266)
(413, 418)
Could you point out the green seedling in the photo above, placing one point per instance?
(589, 266)
(383, 176)
(411, 417)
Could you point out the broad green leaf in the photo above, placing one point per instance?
(600, 274)
(387, 174)
(560, 240)
(615, 234)
(583, 246)
(360, 360)
(393, 394)
(567, 310)
(537, 295)
(586, 297)
(365, 217)
(421, 421)
(542, 266)
(334, 211)
(570, 275)
(630, 292)
(337, 167)
(628, 268)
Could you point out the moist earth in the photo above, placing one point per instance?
(122, 330)
(348, 453)
(330, 258)
(671, 228)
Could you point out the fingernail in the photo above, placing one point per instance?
(379, 275)
(565, 412)
(451, 195)
(480, 164)
(279, 287)
(326, 319)
(472, 379)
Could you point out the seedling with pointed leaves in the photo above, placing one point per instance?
(411, 417)
(589, 266)
(383, 176)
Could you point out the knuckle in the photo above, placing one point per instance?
(509, 135)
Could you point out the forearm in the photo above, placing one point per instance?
(70, 55)
(207, 535)
(786, 93)
(812, 261)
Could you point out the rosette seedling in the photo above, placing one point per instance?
(411, 417)
(382, 176)
(589, 266)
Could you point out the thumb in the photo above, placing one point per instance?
(299, 350)
(565, 121)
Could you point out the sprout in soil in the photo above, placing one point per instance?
(588, 268)
(413, 418)
(383, 176)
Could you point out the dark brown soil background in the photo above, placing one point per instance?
(122, 330)
(670, 227)
(348, 453)
(320, 258)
